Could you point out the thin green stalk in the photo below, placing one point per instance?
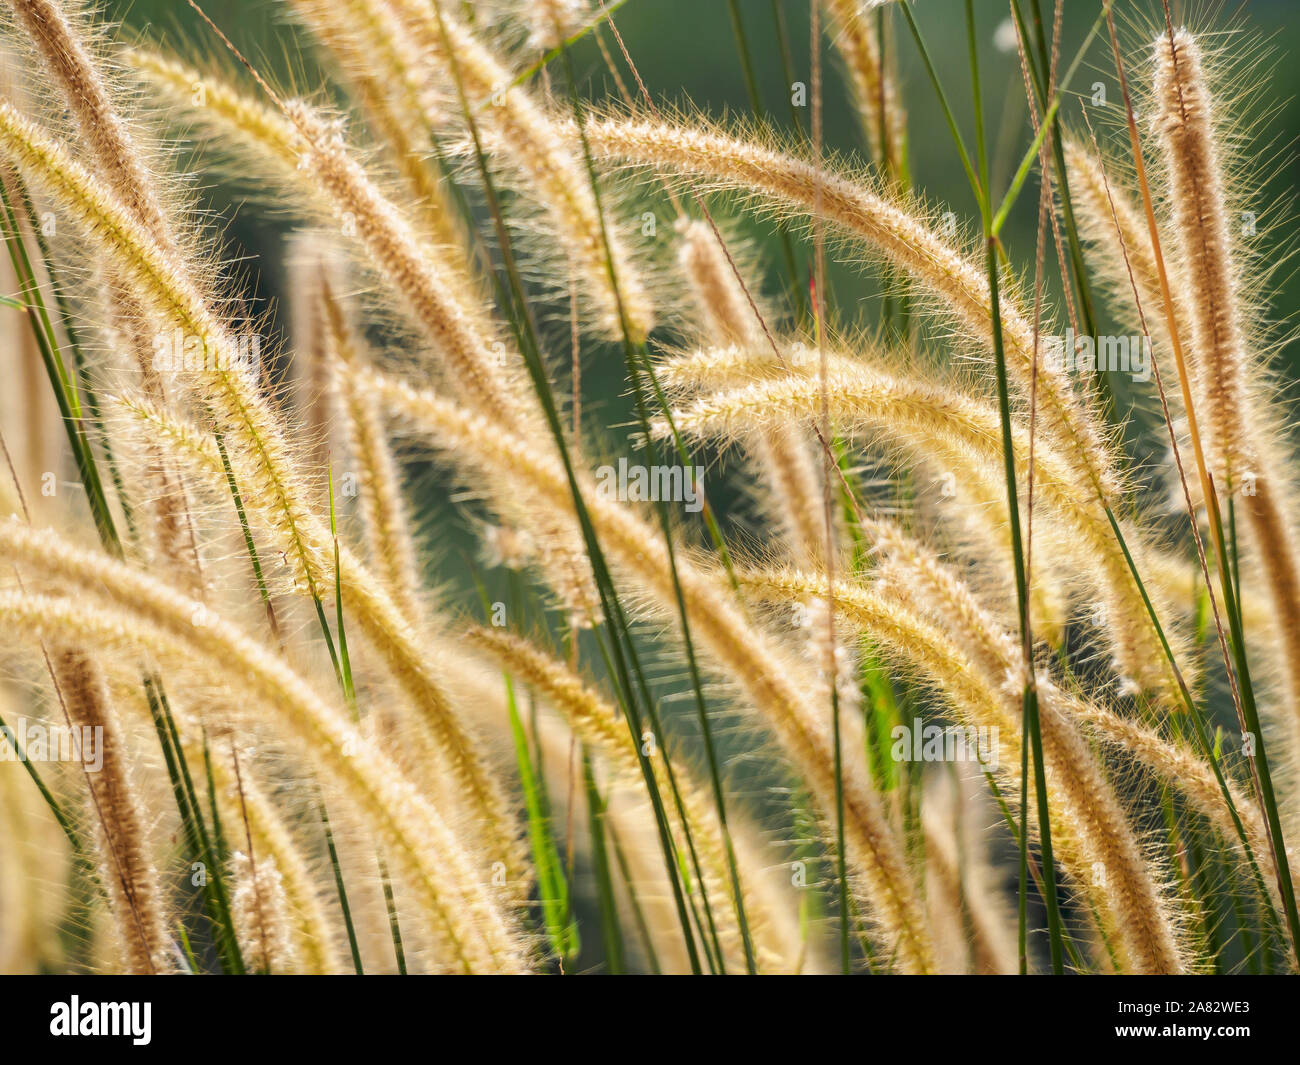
(611, 935)
(638, 914)
(1022, 894)
(350, 696)
(1250, 712)
(1078, 265)
(823, 431)
(345, 660)
(706, 730)
(1030, 723)
(1240, 678)
(1029, 867)
(899, 172)
(218, 831)
(899, 169)
(975, 183)
(1196, 880)
(632, 352)
(342, 891)
(343, 672)
(248, 534)
(1250, 956)
(65, 393)
(11, 738)
(977, 105)
(619, 650)
(191, 962)
(1029, 708)
(70, 409)
(1050, 123)
(787, 69)
(394, 926)
(635, 365)
(756, 104)
(193, 826)
(79, 360)
(1022, 173)
(573, 38)
(1195, 714)
(557, 910)
(553, 886)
